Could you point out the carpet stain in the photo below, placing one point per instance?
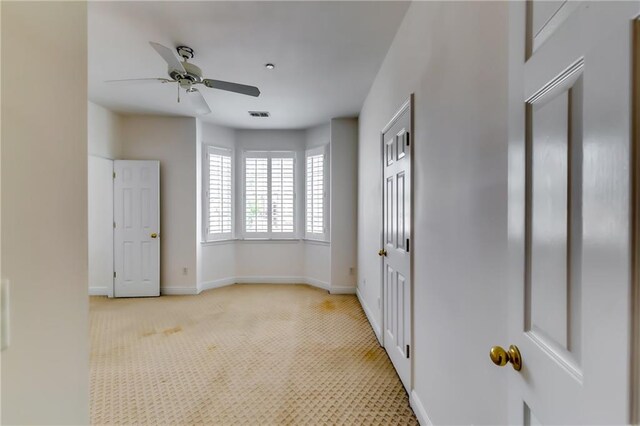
(212, 347)
(370, 355)
(327, 306)
(170, 331)
(148, 333)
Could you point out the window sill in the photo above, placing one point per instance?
(269, 240)
(264, 240)
(317, 242)
(217, 242)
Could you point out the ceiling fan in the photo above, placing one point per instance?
(188, 76)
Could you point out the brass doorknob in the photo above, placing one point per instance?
(154, 235)
(382, 252)
(500, 357)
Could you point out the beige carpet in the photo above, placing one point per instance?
(244, 354)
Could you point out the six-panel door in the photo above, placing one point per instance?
(136, 228)
(396, 243)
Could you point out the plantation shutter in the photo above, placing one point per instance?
(269, 199)
(316, 199)
(218, 194)
(256, 195)
(282, 195)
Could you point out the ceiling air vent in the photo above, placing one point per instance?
(259, 113)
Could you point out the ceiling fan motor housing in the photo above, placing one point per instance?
(193, 73)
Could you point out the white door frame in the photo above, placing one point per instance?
(407, 104)
(634, 415)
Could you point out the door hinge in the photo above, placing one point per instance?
(114, 225)
(114, 274)
(114, 175)
(408, 351)
(407, 138)
(407, 244)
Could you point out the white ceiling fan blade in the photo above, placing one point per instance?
(197, 100)
(138, 81)
(232, 87)
(169, 56)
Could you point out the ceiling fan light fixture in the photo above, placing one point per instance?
(269, 66)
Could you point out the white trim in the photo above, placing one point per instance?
(269, 240)
(100, 291)
(317, 242)
(208, 285)
(408, 103)
(418, 410)
(342, 289)
(258, 279)
(318, 283)
(178, 291)
(261, 279)
(374, 325)
(223, 282)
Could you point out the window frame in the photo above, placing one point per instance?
(269, 235)
(324, 151)
(206, 235)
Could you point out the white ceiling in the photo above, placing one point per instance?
(326, 55)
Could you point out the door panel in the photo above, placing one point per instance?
(396, 240)
(136, 232)
(554, 152)
(569, 211)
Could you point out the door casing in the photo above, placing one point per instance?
(635, 167)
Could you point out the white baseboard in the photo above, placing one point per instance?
(99, 291)
(342, 289)
(208, 285)
(317, 283)
(178, 291)
(262, 280)
(418, 409)
(374, 324)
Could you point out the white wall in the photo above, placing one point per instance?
(45, 370)
(104, 132)
(318, 136)
(453, 56)
(216, 261)
(344, 196)
(172, 140)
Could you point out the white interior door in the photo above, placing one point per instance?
(136, 191)
(396, 258)
(569, 211)
(100, 221)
